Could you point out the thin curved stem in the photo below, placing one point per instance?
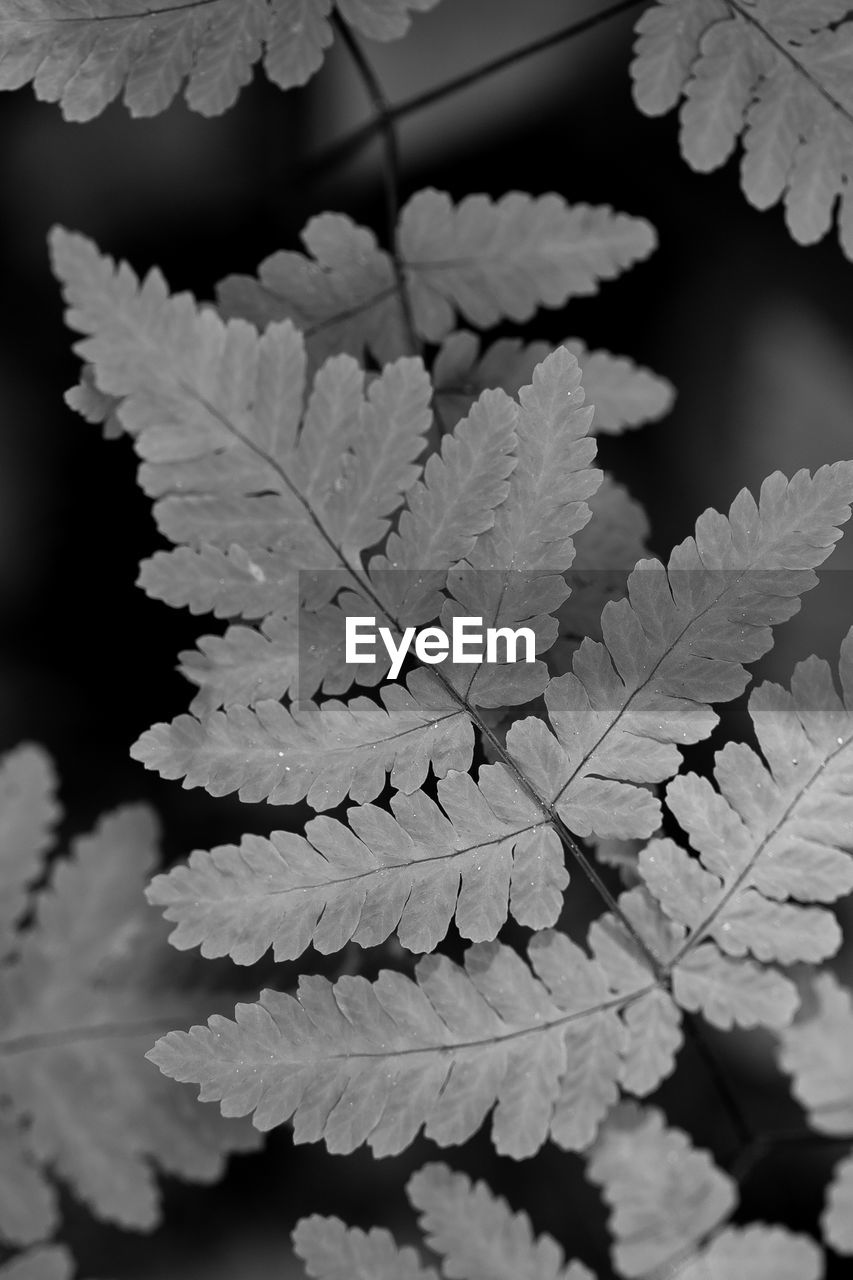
(345, 148)
(383, 121)
(787, 52)
(764, 1144)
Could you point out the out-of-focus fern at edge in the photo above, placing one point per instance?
(146, 51)
(670, 1210)
(85, 980)
(776, 75)
(816, 1052)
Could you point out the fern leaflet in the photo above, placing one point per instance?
(147, 51)
(775, 75)
(484, 260)
(465, 858)
(623, 394)
(772, 832)
(475, 1233)
(332, 1251)
(676, 644)
(318, 753)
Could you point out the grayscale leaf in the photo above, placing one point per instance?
(663, 1194)
(359, 1062)
(477, 1235)
(147, 54)
(774, 830)
(674, 645)
(333, 1251)
(775, 77)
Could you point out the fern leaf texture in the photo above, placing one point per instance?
(775, 77)
(83, 57)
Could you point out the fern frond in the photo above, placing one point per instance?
(548, 1045)
(477, 1235)
(474, 1232)
(491, 261)
(513, 573)
(837, 1218)
(28, 814)
(48, 1263)
(146, 53)
(726, 992)
(333, 1251)
(368, 1062)
(624, 395)
(468, 860)
(322, 754)
(323, 486)
(317, 497)
(690, 623)
(217, 416)
(777, 78)
(78, 1007)
(473, 476)
(677, 643)
(482, 259)
(772, 831)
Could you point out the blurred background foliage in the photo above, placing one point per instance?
(756, 334)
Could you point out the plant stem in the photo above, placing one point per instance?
(383, 121)
(385, 116)
(764, 1143)
(345, 148)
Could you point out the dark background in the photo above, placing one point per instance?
(755, 332)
